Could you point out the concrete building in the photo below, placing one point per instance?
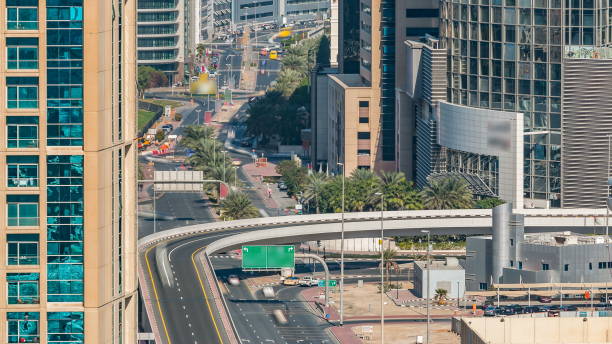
(511, 58)
(511, 256)
(368, 33)
(168, 30)
(68, 149)
(445, 274)
(539, 330)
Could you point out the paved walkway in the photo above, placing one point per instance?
(271, 195)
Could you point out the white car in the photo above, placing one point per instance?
(233, 280)
(308, 281)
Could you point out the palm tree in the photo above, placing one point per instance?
(195, 133)
(440, 295)
(314, 187)
(295, 62)
(448, 193)
(363, 186)
(288, 80)
(389, 261)
(238, 206)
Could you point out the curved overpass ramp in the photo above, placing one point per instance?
(163, 299)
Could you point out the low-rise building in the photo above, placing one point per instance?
(445, 274)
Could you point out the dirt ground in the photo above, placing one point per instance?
(407, 333)
(365, 301)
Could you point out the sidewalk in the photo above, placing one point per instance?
(279, 199)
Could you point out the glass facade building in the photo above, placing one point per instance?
(69, 123)
(507, 55)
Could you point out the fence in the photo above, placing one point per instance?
(157, 109)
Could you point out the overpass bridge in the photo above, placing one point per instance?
(299, 228)
(191, 246)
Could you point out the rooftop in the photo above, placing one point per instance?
(450, 263)
(563, 239)
(349, 80)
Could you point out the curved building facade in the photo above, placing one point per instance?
(546, 60)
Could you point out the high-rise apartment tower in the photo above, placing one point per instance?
(67, 224)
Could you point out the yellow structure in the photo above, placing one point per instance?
(68, 85)
(204, 86)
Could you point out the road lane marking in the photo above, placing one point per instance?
(161, 314)
(212, 317)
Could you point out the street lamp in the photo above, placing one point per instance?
(198, 114)
(427, 266)
(342, 252)
(382, 265)
(224, 163)
(235, 176)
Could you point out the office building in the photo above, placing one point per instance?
(361, 125)
(168, 32)
(512, 256)
(443, 274)
(535, 77)
(68, 85)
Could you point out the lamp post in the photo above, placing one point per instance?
(382, 267)
(342, 252)
(235, 176)
(198, 114)
(428, 296)
(224, 163)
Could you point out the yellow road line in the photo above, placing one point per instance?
(161, 314)
(204, 292)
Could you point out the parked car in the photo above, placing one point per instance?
(167, 128)
(489, 312)
(545, 299)
(291, 281)
(282, 186)
(233, 280)
(308, 281)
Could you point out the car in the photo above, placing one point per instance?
(167, 128)
(489, 312)
(233, 280)
(531, 309)
(246, 143)
(308, 281)
(545, 299)
(236, 162)
(291, 281)
(282, 186)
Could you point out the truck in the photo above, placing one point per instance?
(308, 281)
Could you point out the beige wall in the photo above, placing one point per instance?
(102, 297)
(513, 330)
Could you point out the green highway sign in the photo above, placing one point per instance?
(332, 283)
(268, 257)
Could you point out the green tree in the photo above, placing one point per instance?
(313, 189)
(149, 77)
(238, 206)
(293, 175)
(330, 199)
(447, 193)
(288, 81)
(324, 52)
(160, 135)
(360, 194)
(399, 192)
(440, 295)
(488, 203)
(295, 62)
(193, 134)
(264, 116)
(389, 256)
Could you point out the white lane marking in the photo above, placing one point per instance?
(192, 241)
(166, 274)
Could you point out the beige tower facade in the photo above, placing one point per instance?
(67, 223)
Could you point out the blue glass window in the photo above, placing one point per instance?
(22, 92)
(22, 14)
(22, 131)
(65, 228)
(22, 210)
(22, 249)
(22, 288)
(64, 73)
(22, 170)
(23, 327)
(65, 327)
(22, 52)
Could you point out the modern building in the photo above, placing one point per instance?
(512, 256)
(541, 73)
(67, 79)
(168, 31)
(445, 274)
(363, 94)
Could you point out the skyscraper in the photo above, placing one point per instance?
(68, 230)
(535, 76)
